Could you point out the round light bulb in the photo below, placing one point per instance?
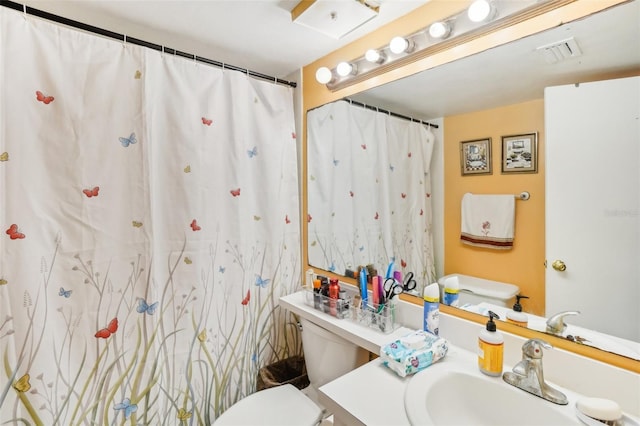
(344, 69)
(372, 55)
(479, 10)
(439, 30)
(398, 45)
(323, 75)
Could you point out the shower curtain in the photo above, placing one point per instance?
(149, 226)
(369, 191)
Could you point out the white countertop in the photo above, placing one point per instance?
(361, 335)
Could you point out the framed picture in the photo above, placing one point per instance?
(475, 157)
(520, 153)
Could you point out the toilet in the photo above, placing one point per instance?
(327, 357)
(475, 290)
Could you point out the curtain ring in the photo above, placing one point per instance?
(124, 41)
(24, 11)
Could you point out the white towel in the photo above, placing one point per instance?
(488, 221)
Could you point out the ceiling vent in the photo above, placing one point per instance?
(334, 18)
(560, 50)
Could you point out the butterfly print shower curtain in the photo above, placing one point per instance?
(150, 224)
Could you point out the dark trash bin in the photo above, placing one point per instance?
(287, 371)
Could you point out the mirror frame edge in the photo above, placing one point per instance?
(314, 95)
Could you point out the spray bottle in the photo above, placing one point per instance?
(431, 320)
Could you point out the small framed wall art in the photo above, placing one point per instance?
(520, 153)
(475, 157)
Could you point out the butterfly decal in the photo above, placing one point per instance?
(44, 99)
(313, 243)
(91, 192)
(111, 328)
(14, 233)
(409, 155)
(332, 267)
(286, 219)
(188, 261)
(127, 407)
(187, 169)
(293, 135)
(22, 384)
(235, 192)
(351, 193)
(137, 75)
(256, 218)
(403, 263)
(309, 218)
(428, 194)
(143, 307)
(246, 299)
(403, 195)
(221, 269)
(363, 146)
(260, 282)
(194, 226)
(64, 293)
(202, 336)
(361, 248)
(376, 216)
(4, 156)
(184, 414)
(312, 177)
(136, 224)
(206, 121)
(421, 212)
(336, 162)
(128, 141)
(3, 281)
(391, 167)
(253, 152)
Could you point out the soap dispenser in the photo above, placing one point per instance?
(490, 348)
(516, 316)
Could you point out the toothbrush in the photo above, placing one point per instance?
(363, 286)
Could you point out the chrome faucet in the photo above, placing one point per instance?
(527, 374)
(555, 323)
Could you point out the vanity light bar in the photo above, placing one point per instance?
(459, 29)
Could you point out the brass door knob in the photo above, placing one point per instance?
(559, 265)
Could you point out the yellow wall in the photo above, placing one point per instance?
(524, 264)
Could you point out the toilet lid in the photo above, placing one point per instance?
(277, 406)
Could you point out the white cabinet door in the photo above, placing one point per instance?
(593, 204)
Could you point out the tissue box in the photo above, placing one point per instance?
(413, 352)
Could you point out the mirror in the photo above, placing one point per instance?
(510, 74)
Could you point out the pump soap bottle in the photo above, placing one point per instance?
(431, 320)
(516, 316)
(490, 348)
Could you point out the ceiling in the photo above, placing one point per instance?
(516, 72)
(254, 34)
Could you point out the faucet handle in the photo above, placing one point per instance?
(532, 348)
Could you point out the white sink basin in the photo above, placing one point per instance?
(454, 393)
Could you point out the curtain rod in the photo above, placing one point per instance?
(123, 37)
(384, 111)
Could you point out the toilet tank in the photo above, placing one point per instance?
(474, 290)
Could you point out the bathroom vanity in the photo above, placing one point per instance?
(373, 394)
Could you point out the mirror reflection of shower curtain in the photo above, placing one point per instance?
(369, 191)
(149, 225)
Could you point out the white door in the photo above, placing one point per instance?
(593, 204)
